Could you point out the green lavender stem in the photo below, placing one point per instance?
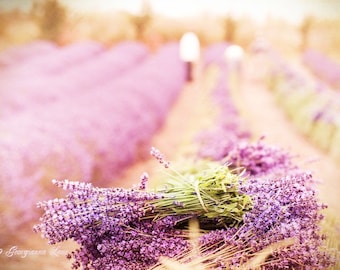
(210, 194)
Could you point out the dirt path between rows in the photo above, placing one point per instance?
(191, 113)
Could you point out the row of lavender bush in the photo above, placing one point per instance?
(114, 232)
(323, 67)
(312, 106)
(63, 73)
(20, 53)
(93, 135)
(228, 128)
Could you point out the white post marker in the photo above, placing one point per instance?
(234, 56)
(189, 52)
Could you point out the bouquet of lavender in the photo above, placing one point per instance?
(132, 228)
(243, 223)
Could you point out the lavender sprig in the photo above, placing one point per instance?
(108, 225)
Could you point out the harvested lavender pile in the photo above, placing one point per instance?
(132, 228)
(239, 217)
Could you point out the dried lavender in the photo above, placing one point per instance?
(107, 224)
(131, 228)
(286, 215)
(284, 207)
(259, 158)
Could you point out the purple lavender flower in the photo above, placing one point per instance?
(110, 226)
(284, 207)
(159, 156)
(259, 158)
(133, 227)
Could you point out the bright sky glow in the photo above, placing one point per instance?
(293, 10)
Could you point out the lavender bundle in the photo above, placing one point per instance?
(131, 228)
(284, 222)
(212, 195)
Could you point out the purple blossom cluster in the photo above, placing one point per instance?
(259, 158)
(110, 227)
(323, 67)
(84, 136)
(215, 143)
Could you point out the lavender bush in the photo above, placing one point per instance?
(214, 54)
(70, 55)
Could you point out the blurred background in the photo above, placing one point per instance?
(312, 23)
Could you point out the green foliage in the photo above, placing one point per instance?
(230, 25)
(305, 29)
(142, 21)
